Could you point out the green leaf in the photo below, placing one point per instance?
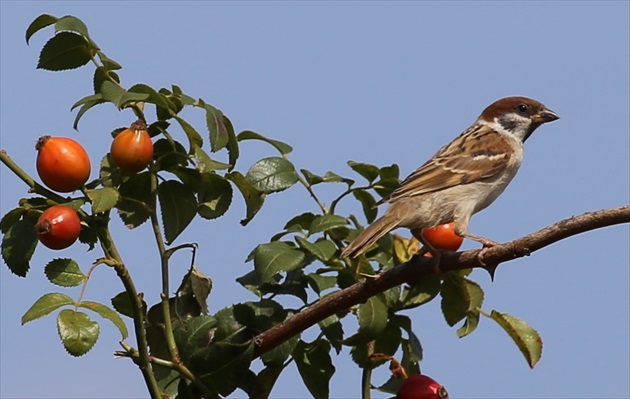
(455, 301)
(174, 105)
(283, 148)
(18, 245)
(276, 257)
(370, 172)
(89, 236)
(178, 206)
(64, 272)
(167, 153)
(294, 283)
(108, 314)
(333, 331)
(10, 218)
(470, 325)
(367, 203)
(215, 123)
(390, 172)
(252, 281)
(72, 24)
(372, 317)
(321, 283)
(86, 100)
(281, 353)
(135, 194)
(329, 177)
(322, 249)
(265, 380)
(108, 63)
(259, 316)
(123, 305)
(152, 96)
(86, 104)
(77, 332)
(386, 343)
(185, 389)
(311, 179)
(413, 347)
(222, 366)
(232, 144)
(423, 291)
(109, 175)
(39, 23)
(254, 198)
(459, 296)
(129, 98)
(103, 199)
(384, 187)
(194, 138)
(315, 366)
(45, 305)
(111, 92)
(524, 336)
(327, 222)
(64, 51)
(272, 175)
(205, 163)
(193, 335)
(215, 196)
(300, 222)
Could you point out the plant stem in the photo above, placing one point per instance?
(164, 257)
(366, 375)
(138, 316)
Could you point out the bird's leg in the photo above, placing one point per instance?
(435, 253)
(484, 241)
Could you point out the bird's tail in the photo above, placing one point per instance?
(370, 235)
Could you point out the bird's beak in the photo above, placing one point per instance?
(545, 115)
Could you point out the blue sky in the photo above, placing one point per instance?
(377, 82)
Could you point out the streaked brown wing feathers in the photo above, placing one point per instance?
(476, 154)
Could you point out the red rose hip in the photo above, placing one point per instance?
(419, 386)
(58, 227)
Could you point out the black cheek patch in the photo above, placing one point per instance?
(508, 124)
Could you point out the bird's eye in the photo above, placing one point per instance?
(523, 108)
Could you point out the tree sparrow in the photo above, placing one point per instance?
(462, 178)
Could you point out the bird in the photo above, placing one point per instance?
(462, 178)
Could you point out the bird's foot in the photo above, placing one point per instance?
(487, 244)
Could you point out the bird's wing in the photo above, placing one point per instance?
(478, 153)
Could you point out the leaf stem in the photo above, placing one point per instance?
(89, 273)
(309, 188)
(335, 202)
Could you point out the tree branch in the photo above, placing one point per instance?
(418, 267)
